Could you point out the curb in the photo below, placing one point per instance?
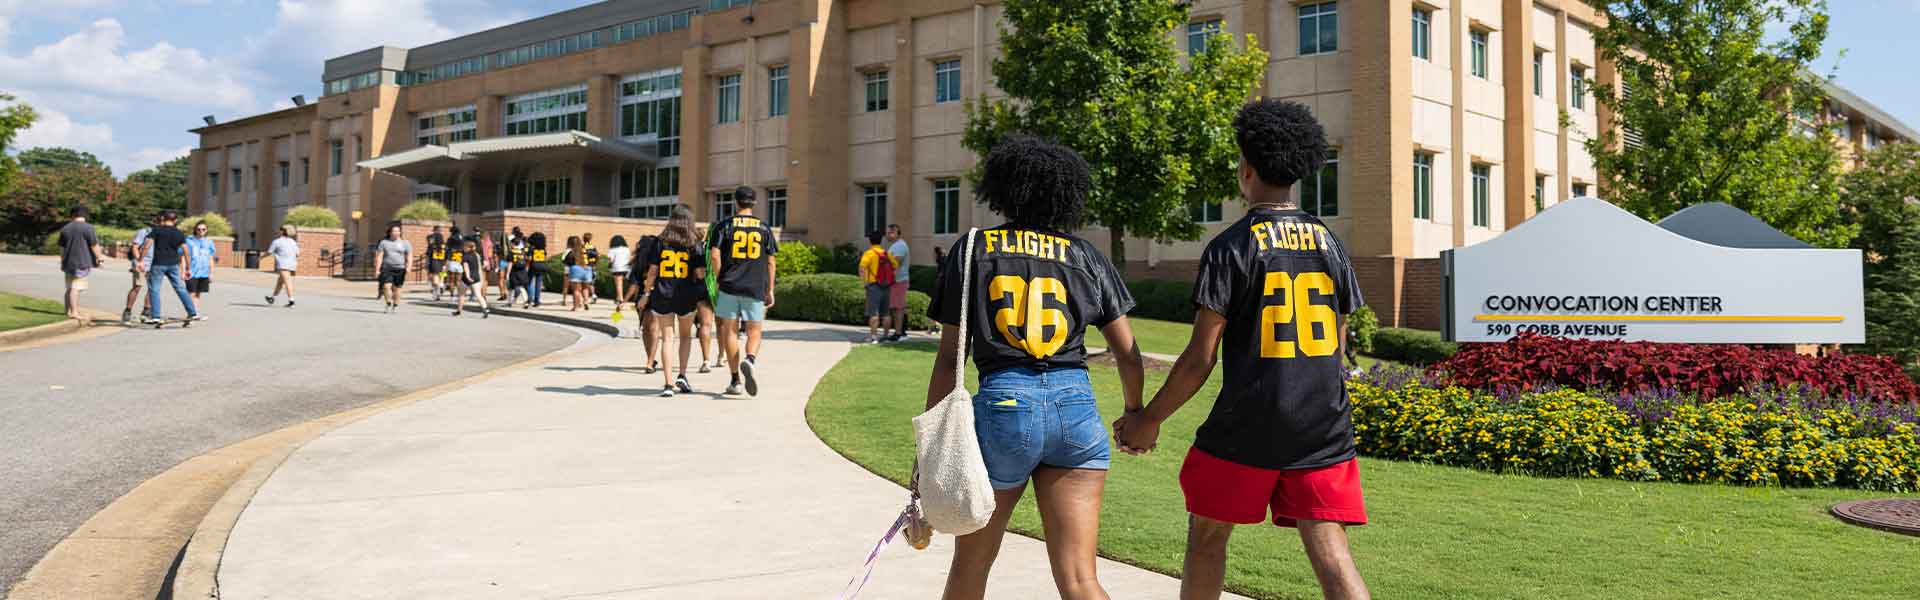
(607, 328)
(41, 335)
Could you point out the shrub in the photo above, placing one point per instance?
(1163, 300)
(836, 298)
(312, 216)
(1761, 438)
(1698, 369)
(422, 210)
(844, 258)
(217, 226)
(797, 258)
(1411, 346)
(923, 278)
(108, 235)
(1363, 324)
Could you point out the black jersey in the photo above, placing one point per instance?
(1033, 296)
(675, 283)
(436, 248)
(746, 248)
(1284, 284)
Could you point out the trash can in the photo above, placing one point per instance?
(253, 260)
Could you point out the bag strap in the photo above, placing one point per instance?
(966, 306)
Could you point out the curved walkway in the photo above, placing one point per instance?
(574, 480)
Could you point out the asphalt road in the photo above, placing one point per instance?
(82, 423)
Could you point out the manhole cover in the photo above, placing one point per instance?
(1895, 515)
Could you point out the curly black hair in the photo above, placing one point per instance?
(1281, 140)
(1036, 184)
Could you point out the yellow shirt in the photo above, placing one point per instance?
(870, 264)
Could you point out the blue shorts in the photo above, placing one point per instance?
(1028, 418)
(580, 274)
(739, 308)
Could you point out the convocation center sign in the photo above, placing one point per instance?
(1709, 274)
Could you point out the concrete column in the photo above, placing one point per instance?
(263, 201)
(1458, 167)
(696, 124)
(602, 106)
(1253, 17)
(197, 181)
(817, 124)
(900, 100)
(1380, 146)
(488, 115)
(1516, 53)
(1561, 74)
(317, 138)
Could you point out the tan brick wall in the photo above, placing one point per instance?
(1423, 294)
(314, 243)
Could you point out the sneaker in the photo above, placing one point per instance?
(704, 368)
(271, 300)
(680, 383)
(666, 393)
(289, 303)
(151, 321)
(733, 389)
(746, 372)
(486, 312)
(456, 313)
(197, 318)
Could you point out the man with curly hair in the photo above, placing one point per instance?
(1275, 286)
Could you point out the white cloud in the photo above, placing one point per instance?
(55, 128)
(148, 157)
(315, 30)
(93, 61)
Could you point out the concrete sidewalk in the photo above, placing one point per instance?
(573, 479)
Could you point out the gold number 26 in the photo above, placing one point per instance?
(1029, 311)
(746, 244)
(1296, 306)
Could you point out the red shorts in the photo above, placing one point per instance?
(1227, 491)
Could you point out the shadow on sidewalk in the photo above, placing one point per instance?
(607, 369)
(595, 390)
(812, 335)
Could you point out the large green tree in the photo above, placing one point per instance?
(1104, 78)
(1723, 112)
(38, 201)
(163, 187)
(41, 159)
(13, 118)
(1883, 200)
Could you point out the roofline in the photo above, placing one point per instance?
(1855, 102)
(254, 118)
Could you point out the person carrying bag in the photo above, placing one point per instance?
(950, 475)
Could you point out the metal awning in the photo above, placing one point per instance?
(508, 155)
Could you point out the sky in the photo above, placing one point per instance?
(126, 79)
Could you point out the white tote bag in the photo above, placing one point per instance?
(956, 496)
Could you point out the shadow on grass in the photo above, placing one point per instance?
(39, 311)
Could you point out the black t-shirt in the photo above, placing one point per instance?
(1034, 294)
(675, 283)
(166, 245)
(1283, 282)
(77, 240)
(746, 248)
(436, 247)
(645, 254)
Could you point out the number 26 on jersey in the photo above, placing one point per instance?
(1296, 306)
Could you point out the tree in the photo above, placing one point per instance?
(163, 187)
(39, 201)
(1101, 77)
(1723, 114)
(13, 118)
(1883, 201)
(41, 159)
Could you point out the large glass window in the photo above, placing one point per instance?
(875, 197)
(536, 193)
(650, 105)
(1211, 211)
(285, 174)
(1478, 39)
(1578, 85)
(1482, 188)
(213, 185)
(877, 90)
(946, 206)
(777, 207)
(720, 5)
(1539, 193)
(946, 81)
(729, 98)
(723, 205)
(551, 111)
(1579, 190)
(306, 171)
(649, 192)
(1539, 73)
(1320, 192)
(337, 150)
(1423, 34)
(235, 181)
(1422, 185)
(443, 127)
(777, 91)
(1319, 28)
(1199, 32)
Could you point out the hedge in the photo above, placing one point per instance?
(217, 226)
(1755, 438)
(308, 215)
(422, 210)
(836, 298)
(108, 235)
(1411, 346)
(1163, 300)
(797, 258)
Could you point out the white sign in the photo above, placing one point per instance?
(1587, 269)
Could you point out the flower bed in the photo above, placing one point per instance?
(1754, 437)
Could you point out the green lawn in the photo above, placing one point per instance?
(1170, 338)
(21, 312)
(1437, 532)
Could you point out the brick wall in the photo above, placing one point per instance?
(1381, 279)
(415, 233)
(223, 254)
(1423, 294)
(319, 252)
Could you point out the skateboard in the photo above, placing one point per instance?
(163, 323)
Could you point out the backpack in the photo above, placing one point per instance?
(883, 272)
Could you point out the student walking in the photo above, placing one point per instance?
(672, 289)
(1034, 290)
(744, 251)
(590, 258)
(463, 267)
(394, 256)
(579, 275)
(519, 257)
(201, 256)
(139, 263)
(286, 259)
(536, 268)
(79, 255)
(620, 265)
(165, 246)
(1280, 437)
(876, 273)
(436, 262)
(902, 280)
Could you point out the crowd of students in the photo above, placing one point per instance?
(159, 254)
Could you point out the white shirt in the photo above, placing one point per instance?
(620, 260)
(899, 251)
(286, 253)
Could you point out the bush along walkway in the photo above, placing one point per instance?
(574, 479)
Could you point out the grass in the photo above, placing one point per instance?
(21, 312)
(1436, 532)
(1170, 338)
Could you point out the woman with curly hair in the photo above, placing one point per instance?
(1034, 290)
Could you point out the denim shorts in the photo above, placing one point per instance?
(1028, 418)
(579, 274)
(729, 307)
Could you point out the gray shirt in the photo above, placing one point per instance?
(77, 240)
(899, 251)
(286, 254)
(394, 253)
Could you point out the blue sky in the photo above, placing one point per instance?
(125, 79)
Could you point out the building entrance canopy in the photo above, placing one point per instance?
(505, 158)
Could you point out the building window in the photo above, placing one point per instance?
(550, 111)
(447, 126)
(1206, 212)
(729, 98)
(777, 91)
(213, 185)
(946, 81)
(337, 151)
(720, 5)
(1198, 33)
(286, 178)
(650, 105)
(1539, 73)
(1319, 28)
(723, 205)
(537, 193)
(1423, 185)
(875, 200)
(1422, 34)
(1539, 193)
(1579, 190)
(1578, 83)
(946, 206)
(253, 174)
(449, 198)
(877, 89)
(1320, 192)
(1482, 188)
(1478, 38)
(306, 171)
(236, 181)
(777, 207)
(648, 193)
